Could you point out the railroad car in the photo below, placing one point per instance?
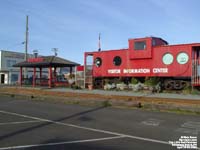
(175, 65)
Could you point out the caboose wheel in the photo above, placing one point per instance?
(169, 85)
(178, 85)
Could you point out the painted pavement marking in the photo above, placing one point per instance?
(19, 122)
(190, 127)
(152, 122)
(89, 129)
(61, 143)
(117, 135)
(192, 124)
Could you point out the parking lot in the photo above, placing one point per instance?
(26, 124)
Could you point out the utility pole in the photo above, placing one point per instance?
(26, 47)
(26, 40)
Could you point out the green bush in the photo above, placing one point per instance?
(151, 81)
(134, 80)
(195, 91)
(190, 90)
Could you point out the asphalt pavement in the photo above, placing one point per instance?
(43, 125)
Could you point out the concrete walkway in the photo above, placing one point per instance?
(130, 93)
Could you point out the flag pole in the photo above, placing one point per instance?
(99, 44)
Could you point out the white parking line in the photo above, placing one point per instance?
(89, 129)
(19, 122)
(61, 143)
(192, 125)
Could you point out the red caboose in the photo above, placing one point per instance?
(148, 57)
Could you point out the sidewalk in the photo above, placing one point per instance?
(129, 93)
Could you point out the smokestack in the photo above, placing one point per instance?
(35, 53)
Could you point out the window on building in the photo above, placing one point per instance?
(14, 78)
(10, 63)
(140, 45)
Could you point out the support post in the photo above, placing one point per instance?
(85, 62)
(34, 76)
(70, 70)
(20, 77)
(54, 74)
(50, 77)
(40, 75)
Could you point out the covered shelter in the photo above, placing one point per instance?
(38, 64)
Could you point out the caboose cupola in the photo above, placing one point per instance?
(141, 48)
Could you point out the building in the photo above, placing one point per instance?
(8, 73)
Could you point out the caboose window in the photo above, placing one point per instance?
(168, 58)
(182, 58)
(117, 61)
(140, 45)
(98, 62)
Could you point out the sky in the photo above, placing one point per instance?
(73, 26)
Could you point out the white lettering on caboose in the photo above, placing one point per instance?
(141, 70)
(160, 70)
(111, 71)
(138, 71)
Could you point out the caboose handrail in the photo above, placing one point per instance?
(195, 72)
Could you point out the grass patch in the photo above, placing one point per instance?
(106, 103)
(76, 102)
(12, 95)
(180, 111)
(175, 111)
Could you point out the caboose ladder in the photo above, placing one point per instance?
(88, 72)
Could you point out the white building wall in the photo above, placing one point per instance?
(7, 60)
(0, 59)
(11, 58)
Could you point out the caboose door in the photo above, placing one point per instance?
(196, 66)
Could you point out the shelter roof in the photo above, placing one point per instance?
(46, 61)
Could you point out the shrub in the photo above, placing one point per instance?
(152, 81)
(134, 80)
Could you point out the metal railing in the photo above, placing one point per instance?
(196, 72)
